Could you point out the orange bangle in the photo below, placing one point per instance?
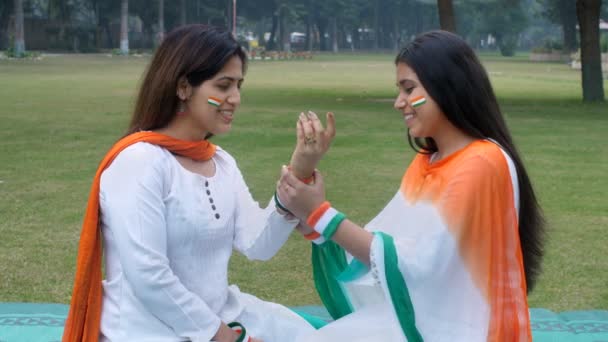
(317, 213)
(308, 180)
(312, 236)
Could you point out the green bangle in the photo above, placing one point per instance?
(332, 226)
(278, 203)
(238, 325)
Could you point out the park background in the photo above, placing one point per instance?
(69, 77)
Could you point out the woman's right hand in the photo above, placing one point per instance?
(301, 199)
(313, 141)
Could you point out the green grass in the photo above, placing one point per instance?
(58, 117)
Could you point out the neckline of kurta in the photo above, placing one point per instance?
(198, 175)
(429, 166)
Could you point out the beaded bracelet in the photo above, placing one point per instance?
(240, 329)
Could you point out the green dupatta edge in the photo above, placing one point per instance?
(330, 266)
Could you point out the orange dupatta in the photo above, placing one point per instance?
(84, 317)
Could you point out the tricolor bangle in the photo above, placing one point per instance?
(312, 236)
(315, 237)
(240, 329)
(316, 214)
(325, 220)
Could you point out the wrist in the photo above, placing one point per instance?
(225, 334)
(325, 221)
(304, 179)
(302, 167)
(241, 332)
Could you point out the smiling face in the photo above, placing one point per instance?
(423, 120)
(225, 86)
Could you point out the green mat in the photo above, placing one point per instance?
(39, 322)
(32, 322)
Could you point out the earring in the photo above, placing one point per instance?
(181, 108)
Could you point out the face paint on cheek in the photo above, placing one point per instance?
(214, 101)
(418, 101)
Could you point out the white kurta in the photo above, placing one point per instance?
(168, 235)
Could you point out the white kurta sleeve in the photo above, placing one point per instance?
(259, 233)
(132, 207)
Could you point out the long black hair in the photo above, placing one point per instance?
(451, 73)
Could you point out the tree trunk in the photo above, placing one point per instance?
(322, 28)
(283, 30)
(334, 34)
(588, 13)
(376, 24)
(182, 12)
(396, 29)
(124, 27)
(309, 23)
(447, 20)
(19, 34)
(356, 38)
(231, 9)
(97, 25)
(567, 13)
(6, 25)
(270, 44)
(161, 21)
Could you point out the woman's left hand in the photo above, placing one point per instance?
(313, 141)
(300, 198)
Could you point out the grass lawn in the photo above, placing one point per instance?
(58, 117)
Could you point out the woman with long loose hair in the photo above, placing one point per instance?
(454, 253)
(170, 206)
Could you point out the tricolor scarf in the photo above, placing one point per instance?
(84, 317)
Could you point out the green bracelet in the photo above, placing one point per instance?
(332, 226)
(239, 328)
(278, 203)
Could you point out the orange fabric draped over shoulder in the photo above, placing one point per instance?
(84, 317)
(473, 191)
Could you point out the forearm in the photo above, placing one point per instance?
(354, 239)
(265, 243)
(301, 166)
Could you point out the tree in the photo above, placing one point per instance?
(563, 12)
(6, 11)
(588, 13)
(19, 34)
(567, 16)
(504, 19)
(447, 19)
(182, 12)
(124, 27)
(161, 21)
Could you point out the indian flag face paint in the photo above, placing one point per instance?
(418, 101)
(214, 101)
